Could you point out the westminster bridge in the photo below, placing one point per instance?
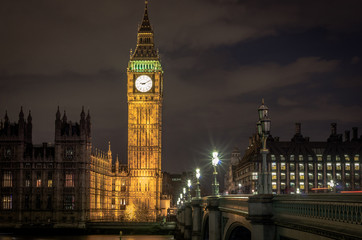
(266, 217)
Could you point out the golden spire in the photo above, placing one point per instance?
(109, 150)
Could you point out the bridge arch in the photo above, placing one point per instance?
(237, 231)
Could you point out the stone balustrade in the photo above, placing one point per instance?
(333, 216)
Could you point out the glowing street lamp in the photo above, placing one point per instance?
(215, 161)
(189, 188)
(198, 175)
(263, 126)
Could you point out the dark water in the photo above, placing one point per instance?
(87, 237)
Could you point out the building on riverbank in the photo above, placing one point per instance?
(299, 165)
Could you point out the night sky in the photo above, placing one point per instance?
(220, 58)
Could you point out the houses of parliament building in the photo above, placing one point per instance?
(69, 182)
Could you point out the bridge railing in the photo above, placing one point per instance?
(331, 207)
(237, 204)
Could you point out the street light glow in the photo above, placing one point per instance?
(198, 173)
(189, 183)
(215, 158)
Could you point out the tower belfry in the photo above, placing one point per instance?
(144, 95)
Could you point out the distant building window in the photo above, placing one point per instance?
(320, 166)
(282, 166)
(272, 157)
(113, 185)
(113, 206)
(50, 179)
(274, 166)
(292, 176)
(356, 166)
(282, 185)
(339, 176)
(291, 157)
(27, 179)
(301, 185)
(274, 185)
(310, 185)
(320, 176)
(348, 176)
(310, 176)
(356, 157)
(69, 153)
(300, 157)
(301, 176)
(310, 158)
(329, 176)
(123, 187)
(7, 202)
(38, 179)
(7, 179)
(282, 176)
(274, 175)
(291, 167)
(329, 158)
(338, 166)
(282, 158)
(69, 202)
(329, 166)
(346, 157)
(338, 158)
(319, 157)
(356, 176)
(348, 167)
(301, 166)
(310, 166)
(255, 175)
(69, 180)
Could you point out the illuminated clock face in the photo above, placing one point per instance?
(143, 83)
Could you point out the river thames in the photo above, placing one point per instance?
(87, 237)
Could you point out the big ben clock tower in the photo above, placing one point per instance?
(144, 94)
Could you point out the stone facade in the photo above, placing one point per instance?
(68, 183)
(65, 183)
(301, 165)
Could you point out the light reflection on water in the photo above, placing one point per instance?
(88, 237)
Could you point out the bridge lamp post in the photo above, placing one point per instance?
(198, 175)
(332, 185)
(189, 189)
(239, 187)
(181, 198)
(215, 162)
(263, 125)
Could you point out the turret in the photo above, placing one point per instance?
(58, 124)
(88, 124)
(117, 164)
(334, 137)
(21, 123)
(109, 152)
(29, 127)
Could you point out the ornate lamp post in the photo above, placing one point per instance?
(215, 162)
(198, 193)
(181, 199)
(264, 185)
(189, 189)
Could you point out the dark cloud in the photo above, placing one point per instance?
(220, 58)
